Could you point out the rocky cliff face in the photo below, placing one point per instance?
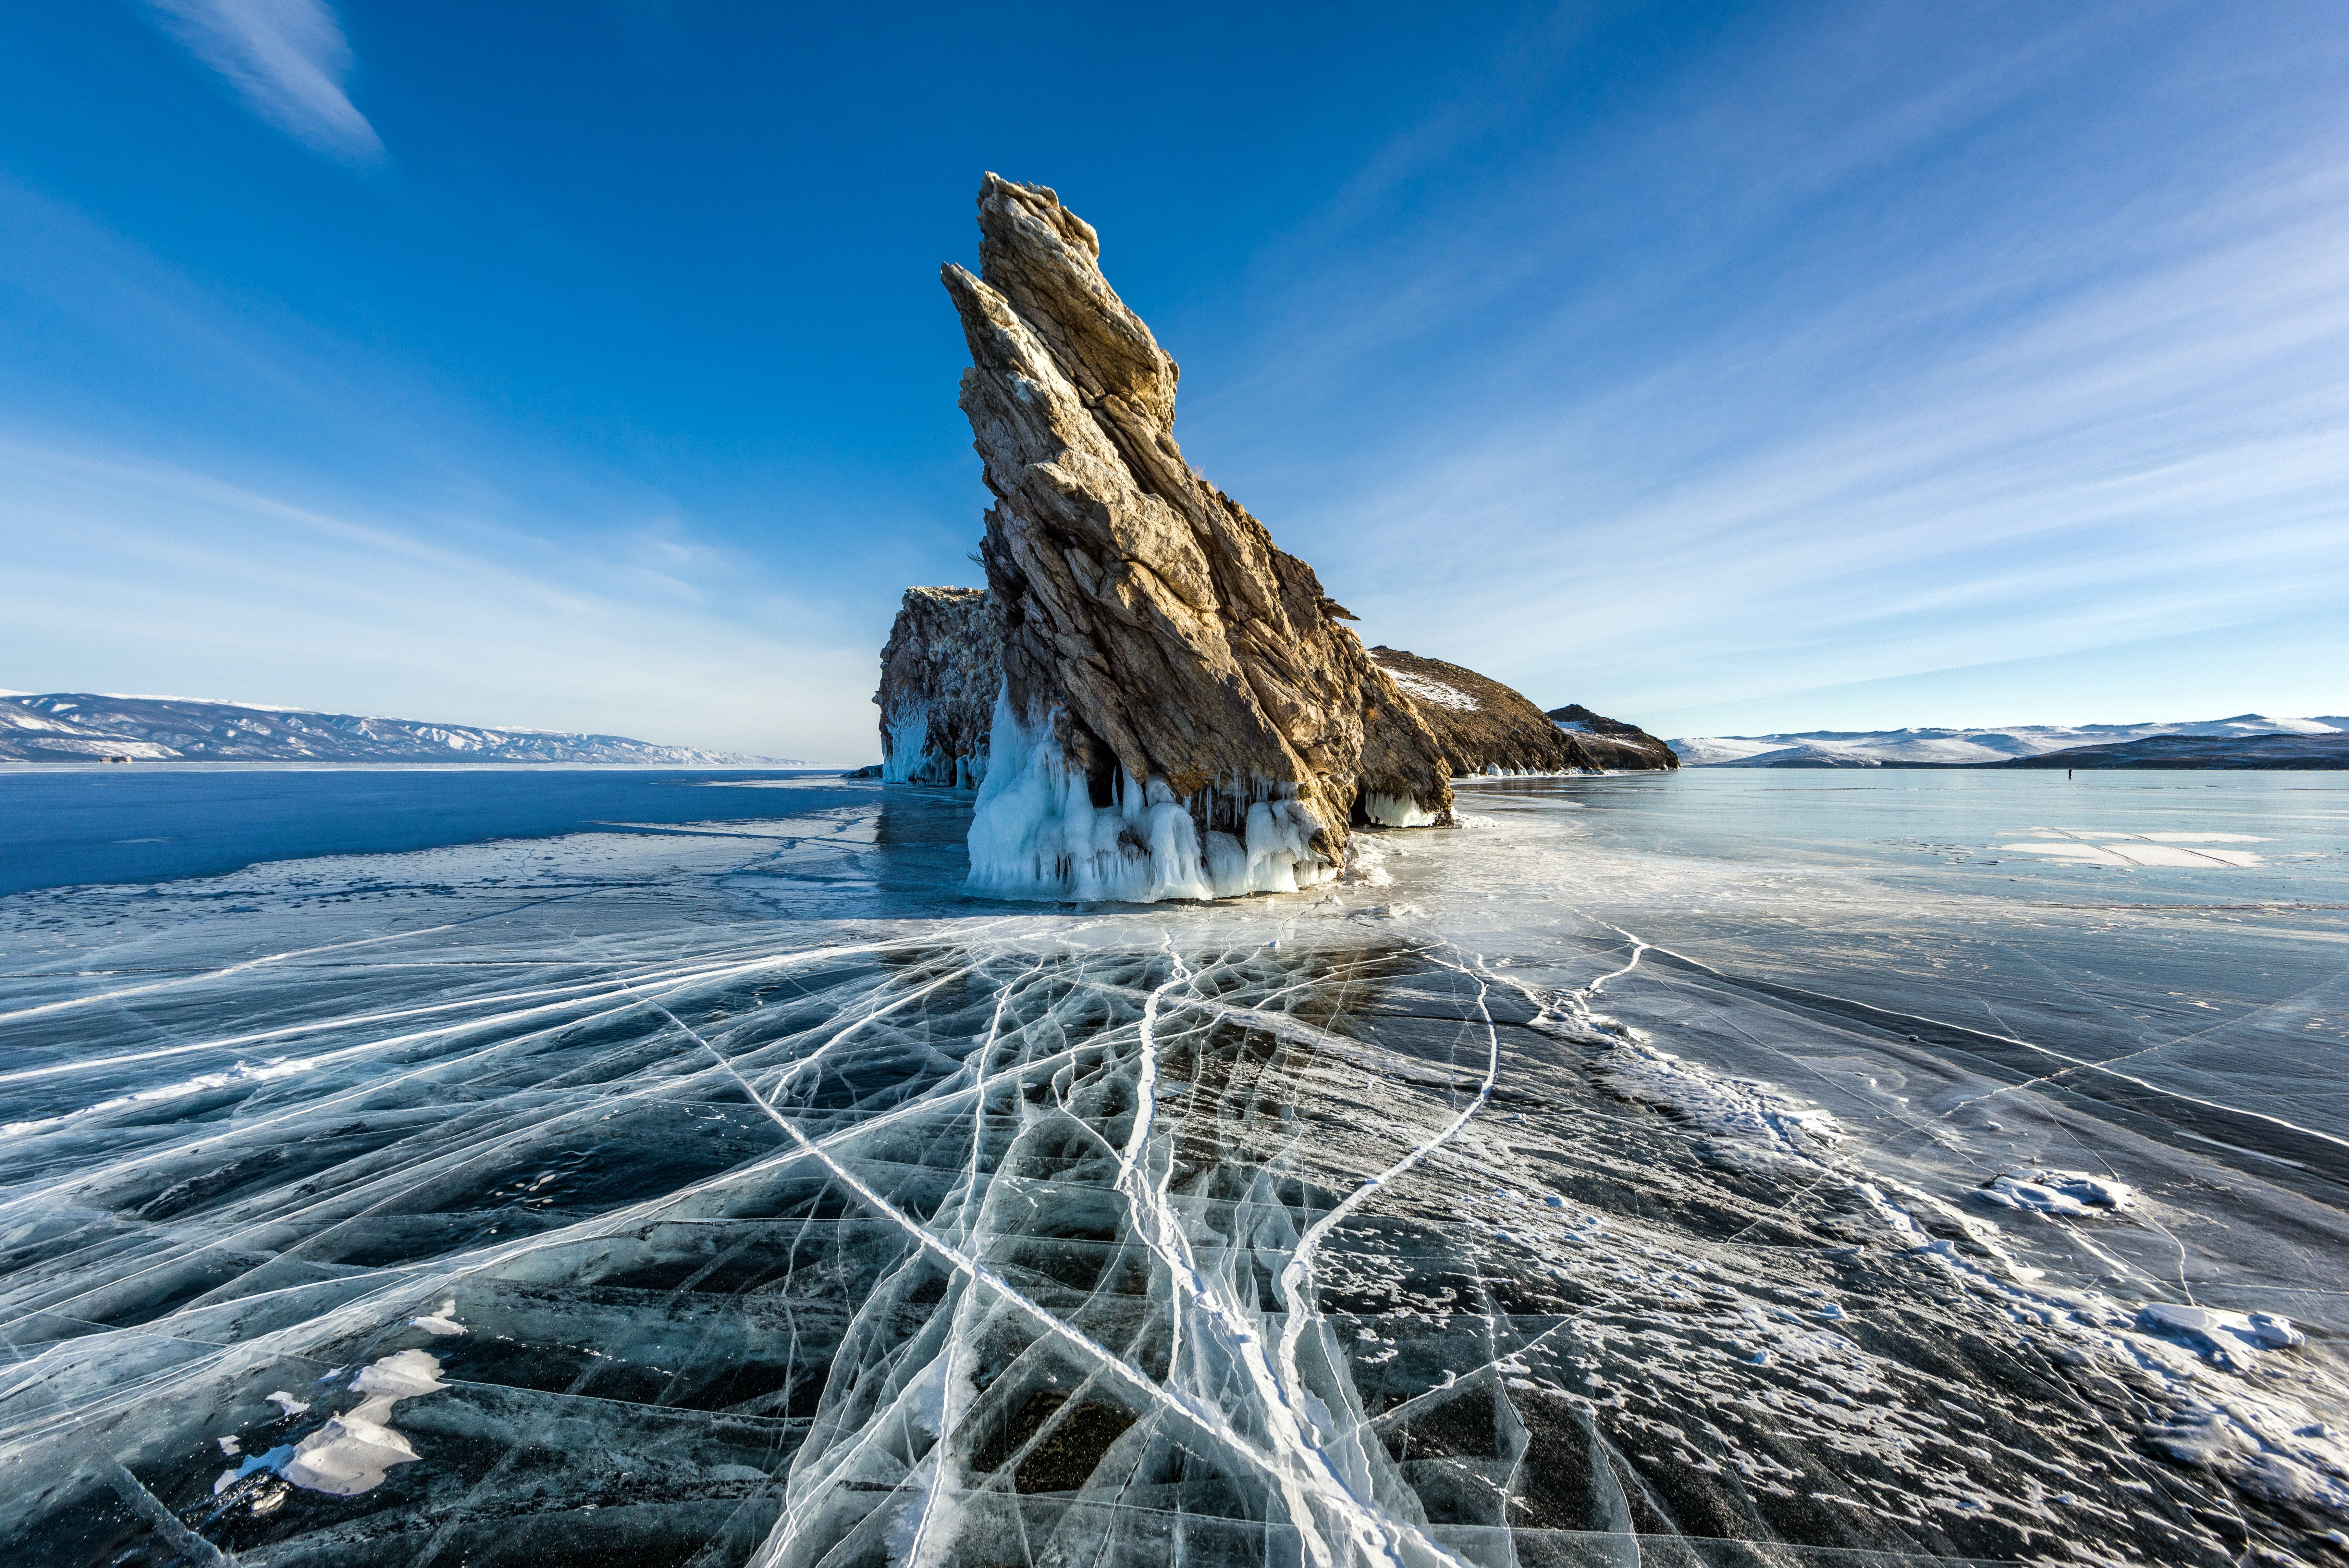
(1482, 726)
(1485, 727)
(939, 675)
(1611, 742)
(1182, 713)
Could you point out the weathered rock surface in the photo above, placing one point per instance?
(1482, 725)
(1488, 728)
(1182, 715)
(1611, 742)
(939, 676)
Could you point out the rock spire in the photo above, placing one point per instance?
(1182, 712)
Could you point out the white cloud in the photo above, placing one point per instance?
(131, 574)
(289, 61)
(1840, 379)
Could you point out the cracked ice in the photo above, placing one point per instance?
(1246, 1233)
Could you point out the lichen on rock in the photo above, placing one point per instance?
(939, 676)
(1182, 713)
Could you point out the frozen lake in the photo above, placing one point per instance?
(1722, 1168)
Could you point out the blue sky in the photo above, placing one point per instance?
(1728, 368)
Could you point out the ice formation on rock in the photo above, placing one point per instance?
(1161, 657)
(939, 676)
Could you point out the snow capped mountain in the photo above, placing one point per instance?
(87, 726)
(1877, 748)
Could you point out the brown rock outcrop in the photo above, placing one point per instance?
(1183, 714)
(939, 677)
(1485, 727)
(1611, 742)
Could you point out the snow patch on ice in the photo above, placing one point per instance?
(2254, 1436)
(351, 1452)
(443, 1321)
(2224, 1338)
(1750, 1122)
(2261, 1444)
(1366, 864)
(2059, 1193)
(2067, 847)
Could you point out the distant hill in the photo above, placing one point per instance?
(88, 726)
(2263, 751)
(1973, 747)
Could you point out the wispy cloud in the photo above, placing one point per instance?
(289, 61)
(1708, 410)
(140, 576)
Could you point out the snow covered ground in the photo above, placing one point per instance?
(1873, 748)
(1629, 1175)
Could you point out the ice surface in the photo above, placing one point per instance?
(1605, 1196)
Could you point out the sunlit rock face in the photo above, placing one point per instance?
(1182, 714)
(1487, 728)
(939, 675)
(1611, 742)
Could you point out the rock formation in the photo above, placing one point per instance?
(1182, 714)
(1482, 726)
(1611, 742)
(1488, 728)
(939, 676)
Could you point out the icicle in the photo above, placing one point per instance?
(1036, 833)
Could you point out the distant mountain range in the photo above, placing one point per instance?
(89, 726)
(2247, 740)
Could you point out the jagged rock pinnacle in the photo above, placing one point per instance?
(1151, 628)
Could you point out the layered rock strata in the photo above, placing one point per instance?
(1182, 715)
(1610, 743)
(939, 676)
